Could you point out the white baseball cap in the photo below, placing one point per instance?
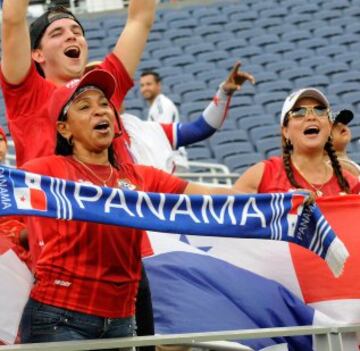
(291, 100)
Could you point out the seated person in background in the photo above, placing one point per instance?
(87, 273)
(341, 137)
(13, 228)
(161, 109)
(306, 127)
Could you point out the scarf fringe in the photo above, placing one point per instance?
(336, 257)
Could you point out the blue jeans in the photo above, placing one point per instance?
(44, 323)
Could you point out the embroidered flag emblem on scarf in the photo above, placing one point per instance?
(29, 195)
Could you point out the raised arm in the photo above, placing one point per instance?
(16, 49)
(215, 113)
(132, 40)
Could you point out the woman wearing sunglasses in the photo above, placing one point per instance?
(87, 274)
(306, 128)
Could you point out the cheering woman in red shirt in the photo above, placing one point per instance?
(306, 132)
(86, 274)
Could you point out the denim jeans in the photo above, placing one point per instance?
(44, 323)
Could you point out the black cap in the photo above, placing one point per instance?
(38, 27)
(344, 117)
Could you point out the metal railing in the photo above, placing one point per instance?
(326, 339)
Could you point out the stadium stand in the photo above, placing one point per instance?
(285, 44)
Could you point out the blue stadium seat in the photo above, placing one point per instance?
(159, 26)
(173, 80)
(188, 108)
(266, 98)
(340, 88)
(234, 148)
(344, 77)
(280, 48)
(228, 137)
(230, 9)
(216, 38)
(198, 153)
(241, 100)
(283, 85)
(189, 23)
(169, 71)
(113, 22)
(204, 11)
(188, 86)
(328, 15)
(335, 5)
(297, 72)
(251, 33)
(197, 48)
(153, 36)
(246, 52)
(244, 16)
(231, 44)
(268, 23)
(301, 8)
(185, 41)
(240, 112)
(280, 65)
(313, 43)
(96, 34)
(236, 26)
(314, 61)
(277, 11)
(202, 95)
(298, 55)
(328, 32)
(200, 67)
(265, 58)
(352, 27)
(316, 80)
(170, 16)
(351, 98)
(146, 65)
(158, 44)
(258, 133)
(164, 53)
(355, 64)
(212, 56)
(247, 123)
(297, 20)
(94, 43)
(89, 25)
(296, 36)
(241, 162)
(264, 40)
(205, 30)
(98, 54)
(218, 75)
(214, 20)
(345, 39)
(172, 34)
(331, 50)
(285, 27)
(182, 60)
(333, 67)
(266, 76)
(268, 147)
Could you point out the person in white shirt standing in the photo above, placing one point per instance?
(161, 110)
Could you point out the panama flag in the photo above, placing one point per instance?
(16, 282)
(201, 284)
(30, 195)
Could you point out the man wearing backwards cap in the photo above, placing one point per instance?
(34, 63)
(341, 135)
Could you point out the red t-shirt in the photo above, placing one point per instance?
(27, 112)
(89, 267)
(274, 180)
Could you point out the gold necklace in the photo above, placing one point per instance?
(318, 190)
(104, 182)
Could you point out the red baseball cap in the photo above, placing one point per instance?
(98, 78)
